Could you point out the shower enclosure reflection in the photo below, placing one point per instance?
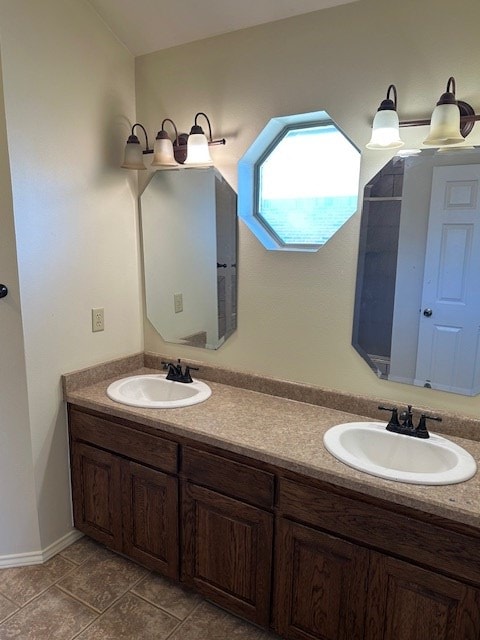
(189, 231)
(417, 306)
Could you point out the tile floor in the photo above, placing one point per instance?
(88, 592)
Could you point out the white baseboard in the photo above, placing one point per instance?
(39, 557)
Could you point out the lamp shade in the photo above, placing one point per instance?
(163, 151)
(133, 158)
(385, 130)
(444, 126)
(198, 153)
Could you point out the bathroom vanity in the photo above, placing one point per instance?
(237, 499)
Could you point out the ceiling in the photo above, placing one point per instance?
(150, 25)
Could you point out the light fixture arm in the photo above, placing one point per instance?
(388, 104)
(211, 141)
(175, 142)
(451, 85)
(392, 88)
(200, 113)
(133, 137)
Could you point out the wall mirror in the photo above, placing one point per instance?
(189, 231)
(417, 303)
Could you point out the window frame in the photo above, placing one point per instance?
(249, 176)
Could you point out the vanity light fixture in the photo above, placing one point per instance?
(452, 120)
(163, 154)
(189, 150)
(445, 123)
(385, 128)
(133, 158)
(198, 153)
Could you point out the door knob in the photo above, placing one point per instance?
(427, 313)
(3, 291)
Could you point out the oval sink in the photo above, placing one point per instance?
(156, 392)
(368, 447)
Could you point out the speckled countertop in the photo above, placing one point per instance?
(288, 434)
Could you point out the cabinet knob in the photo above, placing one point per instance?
(3, 291)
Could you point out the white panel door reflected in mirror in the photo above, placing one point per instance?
(417, 307)
(189, 231)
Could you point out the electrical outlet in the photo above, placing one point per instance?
(178, 302)
(97, 320)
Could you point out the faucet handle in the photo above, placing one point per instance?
(421, 431)
(187, 376)
(170, 368)
(393, 422)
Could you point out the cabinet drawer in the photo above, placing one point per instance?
(423, 542)
(143, 447)
(232, 478)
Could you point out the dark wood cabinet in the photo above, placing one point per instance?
(309, 559)
(96, 494)
(227, 543)
(150, 517)
(330, 589)
(406, 602)
(321, 584)
(331, 584)
(128, 506)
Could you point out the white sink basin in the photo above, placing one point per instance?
(156, 392)
(368, 447)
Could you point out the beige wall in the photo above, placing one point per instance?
(295, 310)
(69, 92)
(18, 527)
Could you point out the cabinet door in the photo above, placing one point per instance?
(150, 517)
(227, 552)
(96, 494)
(320, 585)
(409, 603)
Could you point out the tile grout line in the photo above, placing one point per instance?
(9, 599)
(179, 626)
(101, 613)
(37, 595)
(10, 615)
(78, 566)
(157, 606)
(83, 602)
(77, 599)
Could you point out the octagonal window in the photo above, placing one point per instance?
(298, 183)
